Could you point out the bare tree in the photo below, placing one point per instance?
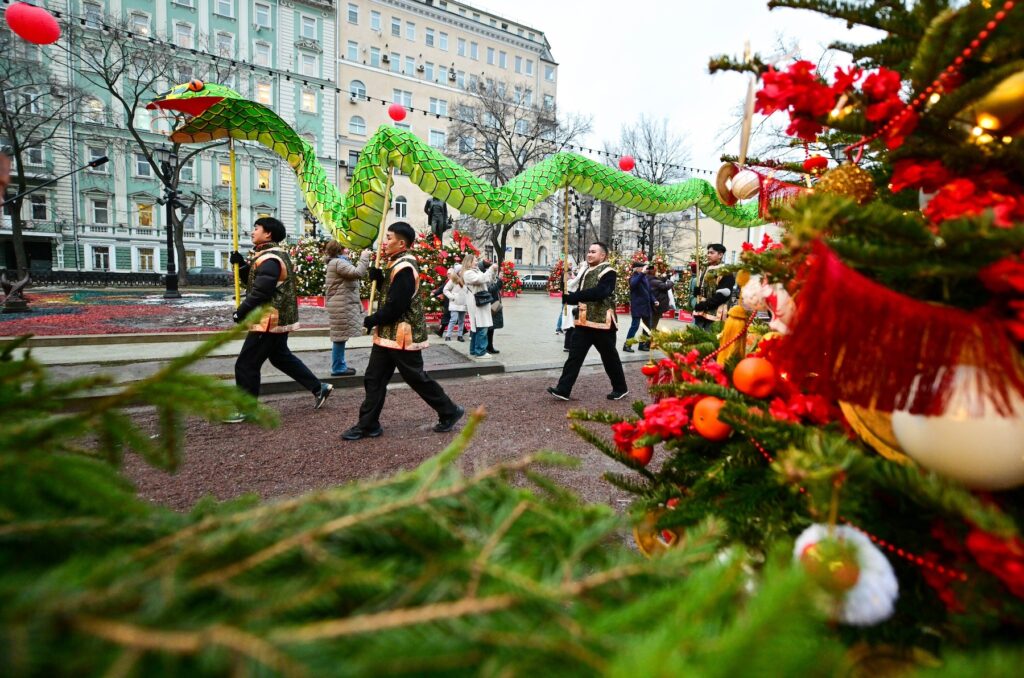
(498, 133)
(132, 71)
(34, 105)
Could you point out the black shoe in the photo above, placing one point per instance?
(626, 348)
(357, 433)
(618, 395)
(558, 394)
(565, 350)
(460, 338)
(644, 347)
(493, 351)
(446, 424)
(322, 396)
(347, 372)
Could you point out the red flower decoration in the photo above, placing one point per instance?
(669, 417)
(1004, 558)
(882, 84)
(928, 175)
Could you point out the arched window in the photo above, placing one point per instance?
(401, 207)
(356, 89)
(542, 256)
(356, 125)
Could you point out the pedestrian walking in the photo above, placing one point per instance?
(341, 298)
(497, 315)
(662, 289)
(478, 302)
(641, 304)
(455, 293)
(595, 326)
(399, 336)
(270, 281)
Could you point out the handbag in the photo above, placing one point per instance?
(482, 298)
(496, 306)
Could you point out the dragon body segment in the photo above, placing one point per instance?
(216, 112)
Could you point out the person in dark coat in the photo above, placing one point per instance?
(660, 287)
(641, 303)
(497, 315)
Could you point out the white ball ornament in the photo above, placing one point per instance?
(746, 184)
(970, 442)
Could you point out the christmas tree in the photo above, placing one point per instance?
(435, 260)
(510, 281)
(310, 267)
(556, 281)
(878, 433)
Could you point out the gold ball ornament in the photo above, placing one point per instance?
(832, 564)
(848, 180)
(1000, 112)
(653, 541)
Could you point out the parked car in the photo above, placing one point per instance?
(210, 275)
(534, 281)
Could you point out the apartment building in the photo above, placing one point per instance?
(282, 53)
(430, 55)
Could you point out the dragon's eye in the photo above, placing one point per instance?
(196, 85)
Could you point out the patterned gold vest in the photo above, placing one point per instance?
(599, 315)
(410, 332)
(709, 282)
(284, 314)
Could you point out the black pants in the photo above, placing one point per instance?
(703, 323)
(262, 346)
(490, 338)
(380, 369)
(604, 341)
(446, 317)
(655, 319)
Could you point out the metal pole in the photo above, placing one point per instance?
(565, 239)
(171, 279)
(234, 218)
(380, 233)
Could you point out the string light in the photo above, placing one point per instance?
(325, 84)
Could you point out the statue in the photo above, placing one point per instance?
(437, 216)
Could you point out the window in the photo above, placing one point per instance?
(142, 166)
(401, 207)
(549, 73)
(263, 179)
(38, 207)
(529, 66)
(225, 44)
(474, 82)
(146, 259)
(353, 160)
(353, 13)
(187, 171)
(460, 79)
(93, 109)
(519, 64)
(224, 173)
(93, 153)
(308, 101)
(549, 102)
(396, 62)
(101, 258)
(517, 254)
(144, 214)
(410, 30)
(442, 41)
(490, 56)
(93, 14)
(438, 106)
(34, 155)
(428, 71)
(352, 50)
(430, 37)
(410, 65)
(183, 35)
(400, 96)
(356, 89)
(308, 26)
(142, 119)
(467, 144)
(261, 15)
(356, 125)
(261, 54)
(224, 8)
(396, 27)
(265, 93)
(437, 138)
(375, 57)
(403, 126)
(522, 127)
(190, 259)
(139, 23)
(502, 60)
(474, 51)
(225, 219)
(460, 47)
(309, 65)
(374, 20)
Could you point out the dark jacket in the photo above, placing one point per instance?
(660, 288)
(497, 317)
(641, 299)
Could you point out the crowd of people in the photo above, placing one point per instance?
(470, 294)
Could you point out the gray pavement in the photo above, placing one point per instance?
(527, 342)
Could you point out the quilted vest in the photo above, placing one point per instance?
(599, 315)
(409, 333)
(284, 314)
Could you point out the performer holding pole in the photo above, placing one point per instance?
(380, 245)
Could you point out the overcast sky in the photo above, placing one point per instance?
(618, 60)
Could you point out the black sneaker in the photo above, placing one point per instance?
(618, 395)
(446, 424)
(626, 348)
(558, 394)
(358, 433)
(493, 351)
(323, 395)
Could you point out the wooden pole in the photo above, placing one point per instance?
(234, 217)
(380, 232)
(565, 241)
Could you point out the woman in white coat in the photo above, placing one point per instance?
(456, 293)
(475, 281)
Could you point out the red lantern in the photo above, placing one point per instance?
(815, 164)
(626, 163)
(32, 23)
(397, 112)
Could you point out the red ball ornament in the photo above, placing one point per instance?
(641, 455)
(650, 370)
(815, 164)
(626, 163)
(754, 377)
(706, 421)
(32, 23)
(397, 112)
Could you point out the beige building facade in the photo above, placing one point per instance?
(430, 55)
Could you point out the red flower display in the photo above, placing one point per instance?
(928, 175)
(668, 417)
(801, 92)
(1004, 558)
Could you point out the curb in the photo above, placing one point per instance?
(144, 338)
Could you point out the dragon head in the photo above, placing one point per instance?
(197, 104)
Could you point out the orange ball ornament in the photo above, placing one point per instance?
(641, 455)
(755, 377)
(706, 421)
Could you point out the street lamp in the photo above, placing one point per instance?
(584, 207)
(168, 160)
(310, 218)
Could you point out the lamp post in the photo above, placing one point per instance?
(310, 218)
(584, 205)
(168, 160)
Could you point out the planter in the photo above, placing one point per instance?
(556, 295)
(685, 317)
(622, 309)
(366, 304)
(669, 314)
(317, 302)
(509, 294)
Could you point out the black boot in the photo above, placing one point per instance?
(644, 346)
(626, 348)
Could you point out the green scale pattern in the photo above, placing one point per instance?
(356, 217)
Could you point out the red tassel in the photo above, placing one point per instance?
(873, 347)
